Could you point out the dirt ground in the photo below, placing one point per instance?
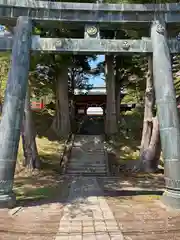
(137, 209)
(135, 201)
(36, 218)
(145, 219)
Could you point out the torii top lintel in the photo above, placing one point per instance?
(88, 12)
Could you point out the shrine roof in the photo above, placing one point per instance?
(93, 91)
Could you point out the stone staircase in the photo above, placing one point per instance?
(88, 156)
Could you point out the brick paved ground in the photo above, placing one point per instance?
(142, 219)
(135, 203)
(38, 221)
(87, 214)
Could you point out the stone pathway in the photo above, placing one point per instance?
(87, 215)
(88, 156)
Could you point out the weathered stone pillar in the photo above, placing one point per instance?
(13, 108)
(167, 114)
(111, 123)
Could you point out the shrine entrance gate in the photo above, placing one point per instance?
(162, 21)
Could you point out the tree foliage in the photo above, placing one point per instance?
(45, 67)
(4, 68)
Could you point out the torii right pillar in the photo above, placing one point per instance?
(167, 114)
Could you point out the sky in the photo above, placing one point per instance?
(97, 81)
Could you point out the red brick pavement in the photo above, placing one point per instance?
(145, 219)
(37, 222)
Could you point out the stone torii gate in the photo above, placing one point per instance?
(158, 18)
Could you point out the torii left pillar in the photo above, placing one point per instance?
(13, 108)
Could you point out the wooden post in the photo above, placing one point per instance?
(111, 123)
(167, 114)
(13, 108)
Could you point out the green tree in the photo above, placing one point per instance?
(4, 68)
(31, 157)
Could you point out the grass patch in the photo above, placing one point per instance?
(126, 144)
(35, 194)
(139, 198)
(146, 197)
(44, 183)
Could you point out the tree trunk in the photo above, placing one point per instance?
(31, 158)
(118, 87)
(61, 122)
(111, 123)
(150, 143)
(155, 144)
(150, 155)
(118, 102)
(148, 107)
(73, 115)
(56, 120)
(72, 106)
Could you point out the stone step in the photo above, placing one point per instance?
(84, 166)
(89, 147)
(88, 154)
(92, 159)
(88, 144)
(86, 174)
(87, 161)
(87, 165)
(85, 171)
(87, 158)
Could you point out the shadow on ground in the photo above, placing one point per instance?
(46, 186)
(40, 188)
(130, 193)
